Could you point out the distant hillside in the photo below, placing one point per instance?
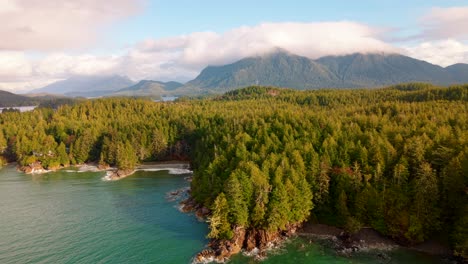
(280, 69)
(352, 71)
(370, 70)
(8, 99)
(87, 86)
(149, 88)
(277, 69)
(459, 72)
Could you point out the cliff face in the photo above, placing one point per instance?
(253, 240)
(33, 168)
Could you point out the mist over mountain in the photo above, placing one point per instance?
(280, 68)
(87, 86)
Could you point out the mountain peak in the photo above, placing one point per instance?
(282, 68)
(86, 85)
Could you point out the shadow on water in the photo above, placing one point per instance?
(143, 198)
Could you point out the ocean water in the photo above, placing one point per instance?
(301, 250)
(71, 217)
(76, 217)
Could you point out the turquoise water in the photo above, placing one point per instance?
(70, 217)
(302, 250)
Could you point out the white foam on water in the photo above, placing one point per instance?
(107, 177)
(170, 170)
(205, 260)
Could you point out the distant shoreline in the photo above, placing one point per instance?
(113, 173)
(367, 238)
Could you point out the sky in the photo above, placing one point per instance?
(44, 41)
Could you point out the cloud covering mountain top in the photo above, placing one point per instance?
(49, 41)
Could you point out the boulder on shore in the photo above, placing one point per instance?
(250, 240)
(33, 168)
(119, 174)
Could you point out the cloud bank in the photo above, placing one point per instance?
(183, 57)
(312, 40)
(443, 53)
(45, 28)
(58, 24)
(445, 23)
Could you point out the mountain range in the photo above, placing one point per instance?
(149, 88)
(279, 68)
(351, 71)
(87, 86)
(8, 99)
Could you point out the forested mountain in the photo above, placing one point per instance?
(459, 72)
(149, 88)
(87, 86)
(281, 69)
(370, 70)
(351, 71)
(266, 159)
(277, 69)
(8, 99)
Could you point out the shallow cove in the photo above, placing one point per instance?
(76, 217)
(71, 217)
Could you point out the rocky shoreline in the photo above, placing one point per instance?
(117, 174)
(367, 239)
(255, 242)
(37, 168)
(345, 243)
(112, 173)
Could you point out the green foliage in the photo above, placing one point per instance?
(394, 159)
(126, 157)
(460, 234)
(3, 142)
(239, 211)
(219, 223)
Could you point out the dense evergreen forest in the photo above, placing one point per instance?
(395, 159)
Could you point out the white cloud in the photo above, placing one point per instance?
(445, 23)
(58, 24)
(183, 57)
(312, 40)
(444, 53)
(17, 72)
(14, 65)
(63, 65)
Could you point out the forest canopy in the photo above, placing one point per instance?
(395, 159)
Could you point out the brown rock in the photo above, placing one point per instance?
(103, 167)
(250, 241)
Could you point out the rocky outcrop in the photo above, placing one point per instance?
(253, 241)
(115, 175)
(33, 168)
(103, 167)
(190, 205)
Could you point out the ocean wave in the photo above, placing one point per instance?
(170, 170)
(107, 177)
